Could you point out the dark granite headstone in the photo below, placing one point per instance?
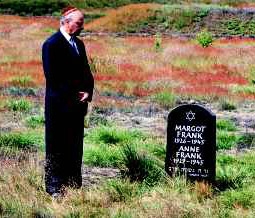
(191, 143)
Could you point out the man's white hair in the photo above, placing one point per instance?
(69, 17)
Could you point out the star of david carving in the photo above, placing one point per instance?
(190, 116)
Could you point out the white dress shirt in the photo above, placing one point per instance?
(68, 38)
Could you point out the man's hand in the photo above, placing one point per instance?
(83, 96)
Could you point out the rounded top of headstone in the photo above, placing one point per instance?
(190, 110)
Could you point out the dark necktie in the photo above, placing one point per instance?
(73, 44)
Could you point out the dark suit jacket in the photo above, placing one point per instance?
(66, 72)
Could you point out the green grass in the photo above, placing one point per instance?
(104, 145)
(108, 146)
(19, 105)
(102, 156)
(12, 208)
(225, 140)
(175, 17)
(158, 42)
(40, 7)
(32, 7)
(111, 135)
(243, 198)
(226, 125)
(246, 141)
(20, 91)
(35, 121)
(228, 176)
(226, 104)
(176, 197)
(126, 149)
(141, 167)
(21, 81)
(236, 175)
(171, 17)
(122, 190)
(204, 38)
(226, 137)
(245, 89)
(165, 99)
(92, 16)
(238, 26)
(21, 140)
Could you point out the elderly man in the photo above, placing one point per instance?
(69, 88)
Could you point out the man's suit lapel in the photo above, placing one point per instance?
(67, 45)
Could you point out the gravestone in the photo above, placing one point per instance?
(191, 143)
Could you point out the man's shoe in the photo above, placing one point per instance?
(56, 195)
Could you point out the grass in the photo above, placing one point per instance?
(165, 99)
(238, 26)
(120, 190)
(37, 7)
(21, 81)
(204, 38)
(241, 199)
(176, 18)
(126, 18)
(238, 173)
(152, 16)
(111, 135)
(225, 140)
(141, 167)
(35, 121)
(40, 7)
(19, 105)
(119, 197)
(20, 91)
(19, 140)
(245, 90)
(226, 125)
(102, 156)
(228, 105)
(246, 141)
(106, 144)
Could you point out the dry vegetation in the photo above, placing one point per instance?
(116, 20)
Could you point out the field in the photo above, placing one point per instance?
(139, 79)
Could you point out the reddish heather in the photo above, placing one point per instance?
(34, 68)
(209, 51)
(134, 40)
(17, 64)
(161, 73)
(126, 72)
(95, 48)
(246, 96)
(141, 92)
(13, 20)
(124, 76)
(102, 101)
(5, 76)
(131, 65)
(202, 89)
(235, 40)
(219, 75)
(246, 5)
